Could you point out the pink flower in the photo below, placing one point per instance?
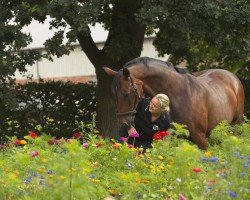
(182, 197)
(34, 153)
(134, 134)
(196, 169)
(85, 145)
(130, 146)
(53, 141)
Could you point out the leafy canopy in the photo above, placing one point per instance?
(205, 34)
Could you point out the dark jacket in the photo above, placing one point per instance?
(145, 127)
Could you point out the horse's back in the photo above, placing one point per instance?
(226, 95)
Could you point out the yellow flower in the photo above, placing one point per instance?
(145, 181)
(148, 150)
(23, 142)
(124, 176)
(27, 137)
(86, 170)
(208, 154)
(171, 161)
(41, 170)
(161, 167)
(96, 180)
(113, 192)
(62, 177)
(44, 160)
(7, 170)
(160, 157)
(71, 170)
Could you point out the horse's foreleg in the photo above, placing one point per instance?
(199, 138)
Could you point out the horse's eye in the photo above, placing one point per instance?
(126, 94)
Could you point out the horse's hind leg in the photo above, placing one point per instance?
(240, 99)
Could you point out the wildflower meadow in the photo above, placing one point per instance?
(91, 167)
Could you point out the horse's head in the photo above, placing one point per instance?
(128, 91)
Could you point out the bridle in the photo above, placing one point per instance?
(137, 97)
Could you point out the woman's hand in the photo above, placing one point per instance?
(132, 132)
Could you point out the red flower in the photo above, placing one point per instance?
(77, 135)
(18, 142)
(196, 169)
(98, 144)
(160, 135)
(33, 134)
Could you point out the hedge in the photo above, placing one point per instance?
(52, 107)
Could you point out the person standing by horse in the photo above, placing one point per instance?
(151, 117)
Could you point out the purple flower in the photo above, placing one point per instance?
(208, 188)
(224, 175)
(204, 159)
(134, 134)
(123, 139)
(243, 174)
(50, 172)
(214, 159)
(232, 194)
(28, 179)
(236, 154)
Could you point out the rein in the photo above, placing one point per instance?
(131, 112)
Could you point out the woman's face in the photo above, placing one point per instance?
(154, 106)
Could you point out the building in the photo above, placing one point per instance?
(74, 67)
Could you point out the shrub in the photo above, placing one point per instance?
(55, 108)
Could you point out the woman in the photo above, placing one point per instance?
(151, 117)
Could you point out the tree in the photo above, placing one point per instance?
(204, 33)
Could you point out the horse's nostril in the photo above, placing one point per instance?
(126, 125)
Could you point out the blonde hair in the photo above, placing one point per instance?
(164, 102)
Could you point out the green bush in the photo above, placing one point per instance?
(55, 108)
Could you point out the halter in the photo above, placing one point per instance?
(132, 112)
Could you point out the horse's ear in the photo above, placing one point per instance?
(126, 72)
(109, 71)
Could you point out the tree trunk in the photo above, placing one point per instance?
(124, 43)
(107, 122)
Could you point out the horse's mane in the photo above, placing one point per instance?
(145, 62)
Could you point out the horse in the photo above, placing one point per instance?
(199, 101)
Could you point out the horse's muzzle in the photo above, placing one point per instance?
(128, 121)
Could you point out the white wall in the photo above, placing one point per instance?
(75, 64)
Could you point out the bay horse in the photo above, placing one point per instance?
(198, 101)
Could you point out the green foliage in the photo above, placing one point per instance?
(206, 34)
(246, 85)
(220, 133)
(103, 168)
(56, 108)
(179, 130)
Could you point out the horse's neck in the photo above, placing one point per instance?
(168, 82)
